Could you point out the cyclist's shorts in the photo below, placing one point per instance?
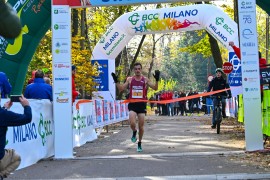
(137, 107)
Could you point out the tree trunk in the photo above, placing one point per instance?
(136, 55)
(215, 51)
(153, 56)
(75, 22)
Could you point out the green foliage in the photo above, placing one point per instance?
(202, 46)
(167, 85)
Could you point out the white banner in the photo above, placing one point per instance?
(62, 98)
(182, 18)
(250, 75)
(35, 140)
(83, 124)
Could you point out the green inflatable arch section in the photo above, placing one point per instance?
(16, 54)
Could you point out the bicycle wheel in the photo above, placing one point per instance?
(218, 119)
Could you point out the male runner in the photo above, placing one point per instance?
(138, 90)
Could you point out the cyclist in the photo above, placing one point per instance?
(219, 83)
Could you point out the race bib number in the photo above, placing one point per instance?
(137, 93)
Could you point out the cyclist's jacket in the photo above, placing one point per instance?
(138, 89)
(219, 84)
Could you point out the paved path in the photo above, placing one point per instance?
(173, 148)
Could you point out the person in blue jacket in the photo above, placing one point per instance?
(5, 86)
(38, 89)
(9, 159)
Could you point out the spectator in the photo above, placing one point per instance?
(47, 80)
(182, 104)
(169, 96)
(152, 104)
(209, 105)
(30, 81)
(204, 107)
(5, 86)
(262, 61)
(163, 106)
(158, 105)
(9, 159)
(175, 104)
(196, 101)
(38, 89)
(190, 102)
(46, 72)
(74, 92)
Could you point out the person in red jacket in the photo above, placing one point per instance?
(74, 92)
(262, 61)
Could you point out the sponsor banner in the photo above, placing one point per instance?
(117, 110)
(99, 113)
(126, 109)
(222, 28)
(235, 77)
(102, 79)
(112, 111)
(182, 18)
(265, 76)
(35, 140)
(88, 3)
(83, 124)
(106, 111)
(122, 110)
(250, 74)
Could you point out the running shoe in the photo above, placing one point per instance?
(133, 138)
(139, 148)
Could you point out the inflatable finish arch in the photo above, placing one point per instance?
(16, 54)
(183, 18)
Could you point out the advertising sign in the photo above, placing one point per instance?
(79, 3)
(103, 79)
(62, 101)
(235, 77)
(265, 75)
(250, 74)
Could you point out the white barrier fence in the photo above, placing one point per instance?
(35, 141)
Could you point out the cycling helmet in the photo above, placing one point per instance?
(219, 70)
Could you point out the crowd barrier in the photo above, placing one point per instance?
(35, 141)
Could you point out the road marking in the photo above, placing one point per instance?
(141, 156)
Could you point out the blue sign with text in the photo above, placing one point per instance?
(235, 77)
(103, 79)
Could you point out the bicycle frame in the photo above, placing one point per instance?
(218, 110)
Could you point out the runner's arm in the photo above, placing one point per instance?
(152, 85)
(122, 87)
